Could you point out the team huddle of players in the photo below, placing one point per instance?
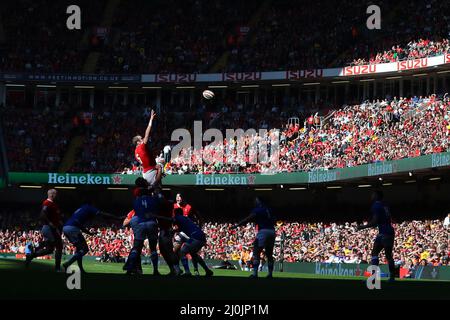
(175, 227)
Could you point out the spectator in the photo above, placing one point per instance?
(447, 221)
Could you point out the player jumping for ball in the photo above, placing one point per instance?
(151, 171)
(381, 218)
(51, 231)
(265, 238)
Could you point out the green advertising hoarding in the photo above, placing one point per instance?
(313, 177)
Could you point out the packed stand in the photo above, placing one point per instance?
(168, 36)
(36, 138)
(420, 32)
(213, 158)
(108, 132)
(297, 35)
(414, 50)
(171, 36)
(107, 135)
(425, 241)
(370, 132)
(415, 242)
(36, 38)
(319, 34)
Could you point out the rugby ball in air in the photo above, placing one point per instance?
(208, 94)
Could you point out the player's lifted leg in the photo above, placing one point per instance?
(76, 238)
(73, 228)
(192, 247)
(196, 239)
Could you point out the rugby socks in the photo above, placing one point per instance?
(80, 264)
(185, 263)
(375, 261)
(391, 269)
(42, 252)
(200, 261)
(154, 258)
(139, 263)
(270, 267)
(195, 264)
(176, 268)
(77, 256)
(255, 267)
(131, 261)
(58, 257)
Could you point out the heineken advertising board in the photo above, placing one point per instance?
(319, 176)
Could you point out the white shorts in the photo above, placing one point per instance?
(150, 176)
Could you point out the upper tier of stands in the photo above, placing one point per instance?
(204, 36)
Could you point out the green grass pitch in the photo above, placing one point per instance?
(108, 281)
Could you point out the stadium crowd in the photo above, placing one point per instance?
(353, 135)
(425, 241)
(414, 50)
(45, 45)
(336, 243)
(186, 37)
(36, 138)
(357, 134)
(171, 36)
(288, 36)
(418, 33)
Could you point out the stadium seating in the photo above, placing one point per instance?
(36, 138)
(46, 45)
(166, 36)
(354, 135)
(169, 36)
(360, 134)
